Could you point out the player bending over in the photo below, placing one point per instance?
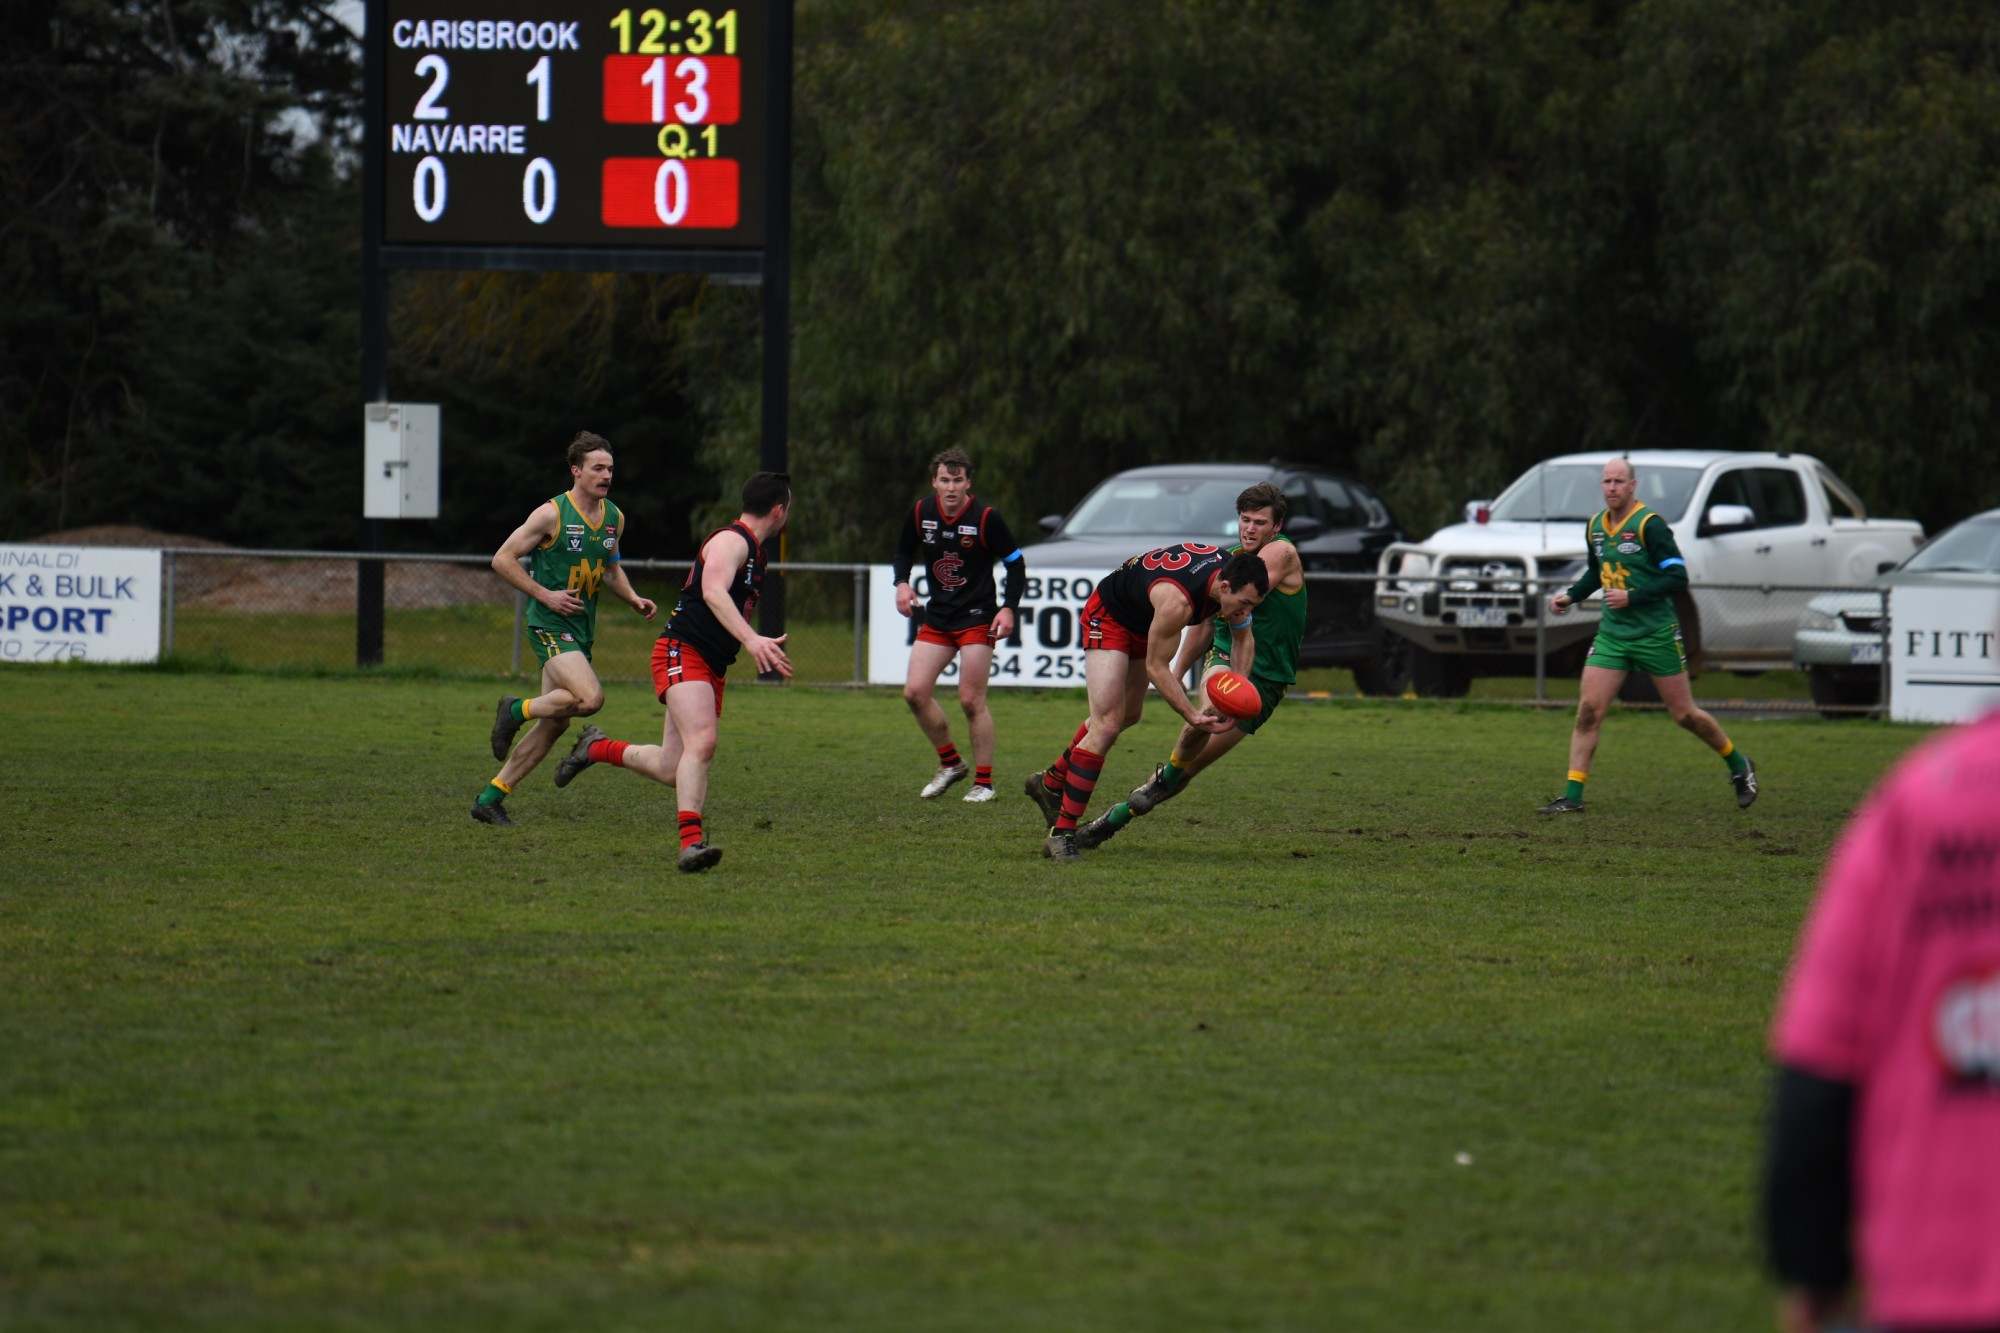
(1132, 626)
(1279, 626)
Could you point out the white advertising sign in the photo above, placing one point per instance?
(1944, 663)
(79, 603)
(1043, 651)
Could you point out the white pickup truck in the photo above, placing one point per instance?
(1470, 599)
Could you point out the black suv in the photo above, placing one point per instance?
(1339, 525)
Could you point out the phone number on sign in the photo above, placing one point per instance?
(44, 650)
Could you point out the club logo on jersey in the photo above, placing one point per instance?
(949, 573)
(574, 532)
(584, 576)
(1965, 1028)
(1628, 548)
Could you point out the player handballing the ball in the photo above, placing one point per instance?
(1279, 625)
(1132, 626)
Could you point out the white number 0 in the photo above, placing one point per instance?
(670, 192)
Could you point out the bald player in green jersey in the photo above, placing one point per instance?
(1635, 560)
(572, 544)
(1279, 626)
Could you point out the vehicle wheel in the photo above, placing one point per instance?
(1837, 698)
(1439, 675)
(1387, 674)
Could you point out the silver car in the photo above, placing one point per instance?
(1839, 640)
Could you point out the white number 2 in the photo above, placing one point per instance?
(427, 107)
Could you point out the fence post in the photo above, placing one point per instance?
(1541, 642)
(861, 625)
(1887, 638)
(167, 623)
(520, 628)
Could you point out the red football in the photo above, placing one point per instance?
(1232, 695)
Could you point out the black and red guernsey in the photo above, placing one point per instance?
(696, 626)
(1191, 567)
(958, 555)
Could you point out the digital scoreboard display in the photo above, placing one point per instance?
(521, 125)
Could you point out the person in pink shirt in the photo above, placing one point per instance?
(1883, 1166)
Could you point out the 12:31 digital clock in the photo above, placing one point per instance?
(521, 125)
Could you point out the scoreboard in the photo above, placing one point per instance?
(512, 127)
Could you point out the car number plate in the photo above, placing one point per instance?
(1483, 617)
(1865, 654)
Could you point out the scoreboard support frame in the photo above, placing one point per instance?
(767, 265)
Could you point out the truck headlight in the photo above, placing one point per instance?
(1413, 565)
(1816, 619)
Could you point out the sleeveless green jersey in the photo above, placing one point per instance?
(1279, 622)
(576, 559)
(1640, 556)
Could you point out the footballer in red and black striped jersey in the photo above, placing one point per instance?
(959, 541)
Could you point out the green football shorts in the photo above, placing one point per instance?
(550, 644)
(1659, 653)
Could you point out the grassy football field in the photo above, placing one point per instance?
(1346, 1037)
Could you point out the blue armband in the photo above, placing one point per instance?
(1241, 624)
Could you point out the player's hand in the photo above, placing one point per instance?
(906, 601)
(1002, 626)
(769, 654)
(645, 607)
(1212, 722)
(1560, 604)
(562, 601)
(1617, 598)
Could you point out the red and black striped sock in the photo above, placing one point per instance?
(608, 752)
(1059, 775)
(690, 828)
(1083, 770)
(982, 776)
(948, 756)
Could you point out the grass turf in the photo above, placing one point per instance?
(1346, 1036)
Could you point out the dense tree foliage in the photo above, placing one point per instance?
(1428, 241)
(170, 216)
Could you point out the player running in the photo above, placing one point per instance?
(1132, 626)
(1279, 626)
(1634, 558)
(572, 545)
(710, 623)
(959, 540)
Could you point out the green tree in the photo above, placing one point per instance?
(149, 152)
(1830, 202)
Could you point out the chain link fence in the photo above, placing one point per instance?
(1463, 625)
(452, 612)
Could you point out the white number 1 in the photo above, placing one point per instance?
(539, 76)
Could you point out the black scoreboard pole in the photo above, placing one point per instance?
(368, 579)
(777, 291)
